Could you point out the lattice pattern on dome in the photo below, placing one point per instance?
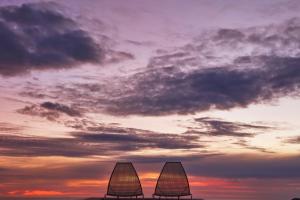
(124, 181)
(172, 181)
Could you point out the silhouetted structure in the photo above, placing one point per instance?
(124, 181)
(172, 181)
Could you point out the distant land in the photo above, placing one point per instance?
(41, 198)
(71, 198)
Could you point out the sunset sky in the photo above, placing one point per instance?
(213, 84)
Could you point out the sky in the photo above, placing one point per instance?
(213, 84)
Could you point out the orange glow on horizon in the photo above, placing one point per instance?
(36, 193)
(88, 183)
(149, 175)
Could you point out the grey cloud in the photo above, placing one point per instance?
(111, 141)
(35, 110)
(191, 138)
(61, 108)
(8, 128)
(91, 170)
(246, 166)
(140, 139)
(245, 144)
(163, 91)
(118, 56)
(292, 140)
(218, 127)
(34, 95)
(240, 68)
(231, 166)
(227, 34)
(241, 166)
(170, 158)
(39, 37)
(243, 67)
(122, 137)
(41, 146)
(50, 111)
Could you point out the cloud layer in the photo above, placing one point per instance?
(95, 141)
(39, 37)
(217, 127)
(231, 166)
(223, 69)
(49, 110)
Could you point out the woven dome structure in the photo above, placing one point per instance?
(124, 181)
(172, 181)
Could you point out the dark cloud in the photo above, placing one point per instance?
(227, 34)
(143, 139)
(170, 158)
(217, 127)
(50, 111)
(39, 36)
(35, 110)
(293, 140)
(61, 108)
(246, 166)
(230, 166)
(53, 176)
(8, 128)
(243, 67)
(91, 169)
(241, 166)
(216, 73)
(91, 131)
(35, 95)
(163, 91)
(245, 145)
(42, 146)
(111, 140)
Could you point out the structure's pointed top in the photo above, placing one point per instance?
(172, 181)
(124, 181)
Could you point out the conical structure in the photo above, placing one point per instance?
(124, 181)
(172, 181)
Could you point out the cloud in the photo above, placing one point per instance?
(154, 159)
(245, 144)
(42, 146)
(118, 56)
(293, 140)
(100, 141)
(50, 111)
(218, 127)
(8, 128)
(88, 131)
(246, 166)
(91, 131)
(66, 171)
(65, 177)
(221, 70)
(230, 166)
(39, 37)
(61, 108)
(140, 139)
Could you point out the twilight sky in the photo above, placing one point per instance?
(214, 84)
